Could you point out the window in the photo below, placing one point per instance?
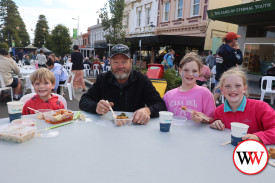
(166, 12)
(148, 10)
(180, 7)
(139, 18)
(195, 8)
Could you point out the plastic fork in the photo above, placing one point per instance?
(114, 114)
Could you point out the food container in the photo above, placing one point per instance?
(58, 116)
(122, 120)
(43, 111)
(17, 133)
(24, 122)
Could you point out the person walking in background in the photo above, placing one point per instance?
(210, 60)
(41, 59)
(77, 68)
(226, 58)
(169, 59)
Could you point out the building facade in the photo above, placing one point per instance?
(140, 19)
(217, 29)
(98, 43)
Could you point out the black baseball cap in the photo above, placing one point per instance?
(120, 49)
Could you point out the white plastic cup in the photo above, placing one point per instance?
(238, 130)
(15, 109)
(165, 119)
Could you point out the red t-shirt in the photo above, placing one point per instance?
(37, 103)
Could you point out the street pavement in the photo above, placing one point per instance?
(254, 90)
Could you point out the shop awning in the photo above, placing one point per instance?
(259, 12)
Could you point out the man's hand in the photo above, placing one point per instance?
(218, 125)
(103, 107)
(142, 116)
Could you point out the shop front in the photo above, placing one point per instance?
(256, 22)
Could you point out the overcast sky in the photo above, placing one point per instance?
(60, 12)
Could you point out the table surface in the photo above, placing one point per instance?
(26, 71)
(97, 151)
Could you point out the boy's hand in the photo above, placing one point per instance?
(218, 125)
(252, 136)
(103, 107)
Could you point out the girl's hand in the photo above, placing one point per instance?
(218, 125)
(195, 116)
(252, 136)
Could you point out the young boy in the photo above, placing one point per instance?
(43, 81)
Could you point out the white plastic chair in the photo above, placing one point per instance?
(27, 67)
(86, 70)
(68, 67)
(27, 84)
(69, 86)
(20, 64)
(108, 68)
(4, 87)
(25, 98)
(96, 69)
(268, 88)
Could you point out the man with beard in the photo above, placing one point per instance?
(124, 89)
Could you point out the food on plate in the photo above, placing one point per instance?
(184, 108)
(122, 116)
(122, 119)
(271, 152)
(17, 133)
(59, 116)
(82, 117)
(24, 122)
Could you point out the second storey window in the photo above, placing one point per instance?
(180, 7)
(166, 12)
(139, 18)
(195, 8)
(148, 10)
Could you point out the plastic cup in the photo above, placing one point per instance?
(15, 110)
(238, 130)
(179, 121)
(165, 119)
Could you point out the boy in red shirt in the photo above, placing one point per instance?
(43, 81)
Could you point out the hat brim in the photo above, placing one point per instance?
(127, 55)
(238, 36)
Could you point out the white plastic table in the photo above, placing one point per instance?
(26, 71)
(102, 153)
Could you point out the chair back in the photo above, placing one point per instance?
(108, 68)
(70, 79)
(27, 97)
(87, 66)
(96, 67)
(2, 82)
(268, 80)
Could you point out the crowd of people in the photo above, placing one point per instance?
(125, 89)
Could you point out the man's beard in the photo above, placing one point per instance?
(121, 76)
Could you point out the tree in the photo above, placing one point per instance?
(13, 27)
(113, 25)
(59, 41)
(4, 45)
(41, 32)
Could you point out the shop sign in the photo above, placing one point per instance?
(248, 8)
